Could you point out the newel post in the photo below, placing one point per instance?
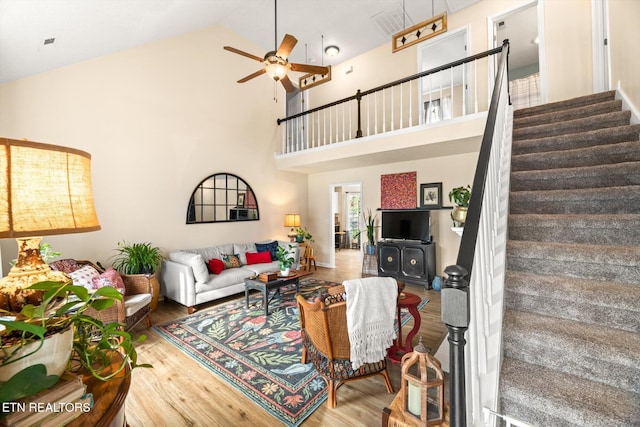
(358, 99)
(455, 314)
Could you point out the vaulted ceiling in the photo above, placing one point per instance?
(84, 29)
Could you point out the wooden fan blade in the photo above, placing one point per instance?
(240, 52)
(288, 86)
(250, 76)
(305, 68)
(288, 42)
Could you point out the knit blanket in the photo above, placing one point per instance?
(371, 310)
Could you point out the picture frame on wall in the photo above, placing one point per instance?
(241, 200)
(431, 195)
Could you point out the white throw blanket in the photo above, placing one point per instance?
(371, 309)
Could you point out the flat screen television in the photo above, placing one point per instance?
(406, 225)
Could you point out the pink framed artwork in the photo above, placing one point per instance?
(398, 191)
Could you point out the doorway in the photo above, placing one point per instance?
(522, 28)
(346, 214)
(442, 93)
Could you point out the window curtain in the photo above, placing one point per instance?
(525, 92)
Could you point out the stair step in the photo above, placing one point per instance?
(588, 156)
(605, 229)
(619, 264)
(584, 300)
(596, 352)
(565, 104)
(607, 120)
(608, 175)
(568, 114)
(605, 200)
(545, 398)
(577, 140)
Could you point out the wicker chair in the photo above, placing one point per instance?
(137, 299)
(326, 342)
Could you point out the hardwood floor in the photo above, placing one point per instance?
(178, 391)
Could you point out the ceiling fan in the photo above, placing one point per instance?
(275, 62)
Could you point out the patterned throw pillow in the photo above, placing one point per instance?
(231, 261)
(84, 276)
(109, 278)
(270, 247)
(68, 265)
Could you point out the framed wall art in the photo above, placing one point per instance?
(431, 195)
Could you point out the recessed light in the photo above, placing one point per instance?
(332, 50)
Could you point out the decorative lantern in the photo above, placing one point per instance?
(422, 388)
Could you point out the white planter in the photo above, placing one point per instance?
(285, 272)
(54, 354)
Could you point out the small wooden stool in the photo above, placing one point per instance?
(397, 350)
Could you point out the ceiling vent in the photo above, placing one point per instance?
(392, 20)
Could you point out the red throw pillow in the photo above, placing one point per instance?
(216, 265)
(258, 257)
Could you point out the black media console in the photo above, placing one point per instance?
(407, 261)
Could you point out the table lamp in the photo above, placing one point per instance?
(44, 189)
(292, 220)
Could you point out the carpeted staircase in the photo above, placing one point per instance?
(571, 328)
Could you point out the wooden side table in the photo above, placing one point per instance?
(108, 399)
(397, 350)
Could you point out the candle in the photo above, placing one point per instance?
(413, 403)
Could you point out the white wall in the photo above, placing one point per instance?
(157, 120)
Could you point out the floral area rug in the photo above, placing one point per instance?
(258, 355)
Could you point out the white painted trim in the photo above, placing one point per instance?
(601, 58)
(627, 104)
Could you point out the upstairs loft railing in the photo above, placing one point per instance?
(479, 261)
(451, 90)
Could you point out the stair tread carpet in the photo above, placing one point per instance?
(607, 175)
(553, 399)
(570, 114)
(579, 139)
(587, 156)
(564, 104)
(604, 229)
(606, 120)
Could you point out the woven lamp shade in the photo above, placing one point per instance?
(44, 189)
(292, 220)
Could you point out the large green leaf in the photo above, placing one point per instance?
(28, 381)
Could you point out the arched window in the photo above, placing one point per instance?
(222, 197)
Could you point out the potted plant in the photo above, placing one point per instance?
(40, 342)
(460, 196)
(139, 262)
(370, 223)
(285, 257)
(302, 234)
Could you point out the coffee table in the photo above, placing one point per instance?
(266, 287)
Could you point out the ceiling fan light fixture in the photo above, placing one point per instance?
(276, 71)
(332, 50)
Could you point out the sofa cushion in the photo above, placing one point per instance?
(110, 277)
(84, 276)
(268, 246)
(213, 251)
(258, 257)
(228, 277)
(215, 265)
(242, 248)
(262, 267)
(231, 260)
(133, 303)
(195, 261)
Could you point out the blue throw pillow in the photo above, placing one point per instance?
(268, 247)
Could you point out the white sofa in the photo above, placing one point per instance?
(185, 278)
